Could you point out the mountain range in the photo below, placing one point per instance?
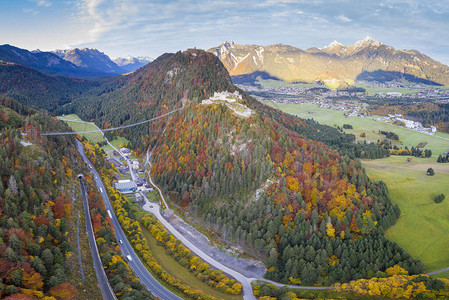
(334, 64)
(130, 63)
(90, 60)
(86, 62)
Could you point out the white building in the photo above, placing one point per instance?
(134, 164)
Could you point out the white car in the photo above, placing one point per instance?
(121, 241)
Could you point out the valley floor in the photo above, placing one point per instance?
(423, 225)
(438, 143)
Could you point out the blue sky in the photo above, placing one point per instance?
(152, 27)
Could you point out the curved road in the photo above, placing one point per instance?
(245, 281)
(136, 265)
(102, 279)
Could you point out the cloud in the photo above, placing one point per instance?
(344, 19)
(43, 3)
(281, 14)
(151, 27)
(30, 11)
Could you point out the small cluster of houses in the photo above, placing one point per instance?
(128, 186)
(397, 119)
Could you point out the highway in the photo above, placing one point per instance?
(136, 265)
(106, 290)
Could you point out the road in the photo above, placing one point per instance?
(245, 281)
(136, 265)
(102, 279)
(437, 272)
(155, 210)
(133, 176)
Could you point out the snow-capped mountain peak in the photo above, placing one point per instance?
(224, 47)
(333, 45)
(367, 41)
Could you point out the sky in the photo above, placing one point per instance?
(153, 27)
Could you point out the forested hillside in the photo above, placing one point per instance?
(312, 213)
(35, 210)
(37, 215)
(152, 90)
(39, 90)
(287, 188)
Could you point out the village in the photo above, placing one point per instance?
(398, 120)
(131, 179)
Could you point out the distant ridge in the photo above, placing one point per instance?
(86, 62)
(92, 60)
(130, 63)
(333, 64)
(42, 61)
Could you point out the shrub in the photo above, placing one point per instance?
(439, 198)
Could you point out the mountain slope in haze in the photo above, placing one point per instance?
(86, 63)
(91, 60)
(130, 64)
(263, 181)
(43, 61)
(334, 64)
(40, 90)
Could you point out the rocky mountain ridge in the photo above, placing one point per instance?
(334, 64)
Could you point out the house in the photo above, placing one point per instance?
(139, 197)
(125, 150)
(135, 165)
(126, 186)
(123, 170)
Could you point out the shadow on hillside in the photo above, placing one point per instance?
(384, 76)
(251, 78)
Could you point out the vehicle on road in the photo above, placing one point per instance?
(130, 259)
(101, 190)
(90, 167)
(121, 241)
(109, 213)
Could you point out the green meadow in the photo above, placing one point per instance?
(79, 125)
(423, 226)
(438, 143)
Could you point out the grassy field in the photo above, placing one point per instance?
(79, 125)
(170, 265)
(117, 142)
(423, 226)
(368, 125)
(272, 83)
(370, 88)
